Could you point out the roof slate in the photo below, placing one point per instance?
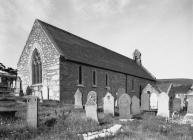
(80, 50)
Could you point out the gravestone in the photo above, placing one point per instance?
(176, 104)
(145, 101)
(135, 107)
(119, 92)
(18, 85)
(91, 106)
(124, 106)
(108, 105)
(153, 101)
(190, 104)
(32, 112)
(45, 93)
(163, 105)
(78, 99)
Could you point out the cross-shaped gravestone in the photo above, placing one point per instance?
(78, 99)
(176, 104)
(91, 106)
(135, 107)
(145, 99)
(163, 105)
(124, 106)
(32, 112)
(153, 100)
(108, 105)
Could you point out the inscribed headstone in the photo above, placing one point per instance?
(78, 99)
(93, 95)
(18, 85)
(108, 105)
(163, 105)
(91, 106)
(32, 112)
(190, 104)
(145, 101)
(124, 106)
(176, 104)
(135, 106)
(153, 100)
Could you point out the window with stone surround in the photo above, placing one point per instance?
(132, 84)
(36, 68)
(106, 80)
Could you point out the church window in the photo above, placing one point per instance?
(106, 80)
(36, 68)
(80, 75)
(132, 84)
(94, 78)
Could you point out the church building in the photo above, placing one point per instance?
(55, 63)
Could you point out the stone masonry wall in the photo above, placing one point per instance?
(50, 62)
(69, 82)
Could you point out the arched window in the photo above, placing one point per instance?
(36, 68)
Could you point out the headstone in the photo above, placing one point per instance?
(108, 105)
(93, 95)
(32, 112)
(176, 104)
(91, 106)
(190, 104)
(163, 105)
(153, 100)
(135, 107)
(45, 93)
(18, 85)
(78, 99)
(145, 101)
(124, 106)
(119, 93)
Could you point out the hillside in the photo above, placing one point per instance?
(177, 81)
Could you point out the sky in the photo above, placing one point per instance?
(162, 30)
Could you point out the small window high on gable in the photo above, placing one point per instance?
(94, 78)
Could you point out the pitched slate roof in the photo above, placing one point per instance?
(78, 49)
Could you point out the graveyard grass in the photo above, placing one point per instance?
(59, 121)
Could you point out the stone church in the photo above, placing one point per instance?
(56, 63)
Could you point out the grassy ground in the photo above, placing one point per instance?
(57, 121)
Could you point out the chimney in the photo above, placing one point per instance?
(137, 57)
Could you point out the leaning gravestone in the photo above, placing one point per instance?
(91, 106)
(145, 101)
(108, 105)
(163, 105)
(135, 107)
(176, 104)
(32, 112)
(78, 99)
(124, 106)
(153, 101)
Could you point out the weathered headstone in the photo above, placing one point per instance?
(78, 99)
(91, 106)
(32, 112)
(153, 101)
(108, 105)
(18, 85)
(176, 104)
(145, 101)
(190, 104)
(124, 106)
(45, 92)
(135, 107)
(119, 92)
(163, 105)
